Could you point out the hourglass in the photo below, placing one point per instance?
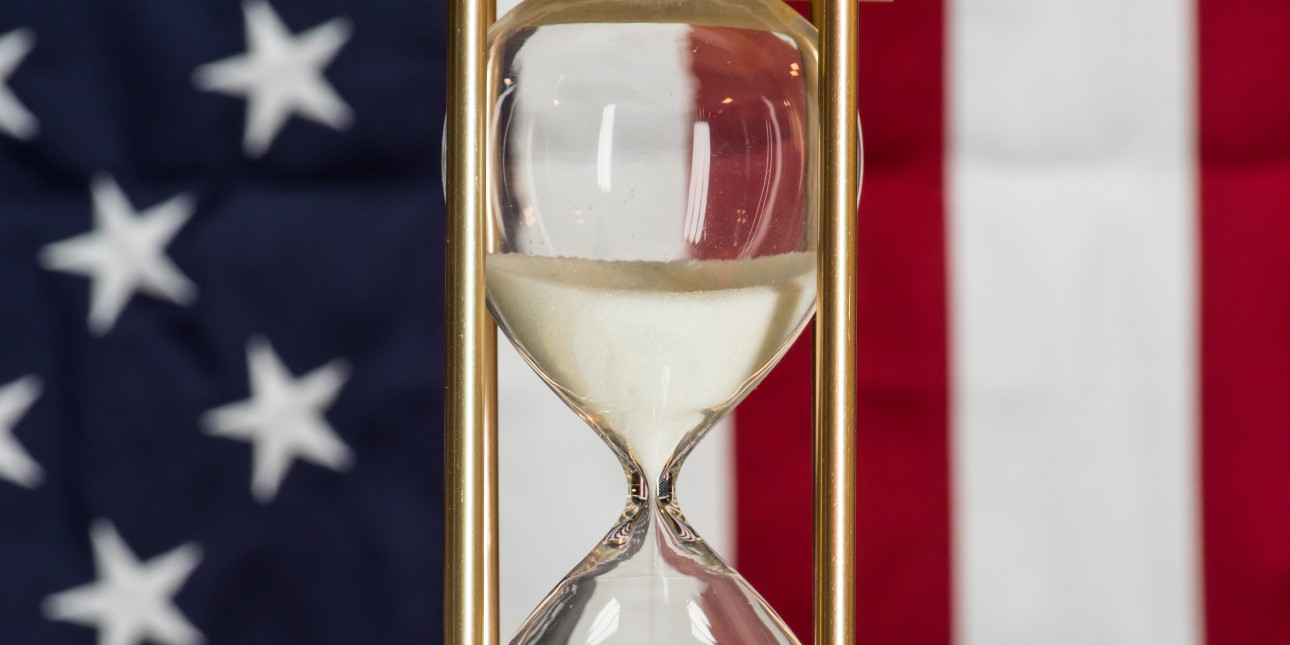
(654, 177)
(654, 257)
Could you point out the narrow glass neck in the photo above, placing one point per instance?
(644, 487)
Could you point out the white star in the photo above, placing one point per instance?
(125, 253)
(15, 120)
(130, 602)
(283, 419)
(15, 464)
(280, 75)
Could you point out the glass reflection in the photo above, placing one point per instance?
(605, 624)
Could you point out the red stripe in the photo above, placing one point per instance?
(1245, 318)
(904, 515)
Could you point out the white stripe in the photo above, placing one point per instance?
(1073, 278)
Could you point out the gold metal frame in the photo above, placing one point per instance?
(835, 327)
(470, 445)
(470, 435)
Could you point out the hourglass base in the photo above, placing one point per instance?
(651, 581)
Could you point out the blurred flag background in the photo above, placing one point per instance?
(221, 345)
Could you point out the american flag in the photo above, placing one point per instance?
(221, 354)
(1073, 304)
(221, 347)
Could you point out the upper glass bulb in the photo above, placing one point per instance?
(642, 140)
(677, 133)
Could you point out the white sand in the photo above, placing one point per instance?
(647, 350)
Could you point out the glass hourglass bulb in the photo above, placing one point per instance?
(652, 178)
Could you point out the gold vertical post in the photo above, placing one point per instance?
(492, 528)
(491, 573)
(835, 366)
(470, 505)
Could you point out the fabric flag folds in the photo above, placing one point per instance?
(221, 340)
(220, 322)
(1070, 361)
